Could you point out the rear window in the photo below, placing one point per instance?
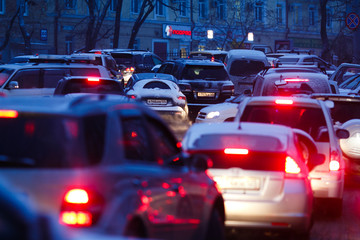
(288, 60)
(344, 111)
(311, 120)
(245, 67)
(126, 59)
(85, 86)
(156, 84)
(93, 72)
(39, 141)
(193, 72)
(260, 161)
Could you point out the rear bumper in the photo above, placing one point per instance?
(328, 185)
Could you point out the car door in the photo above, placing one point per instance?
(28, 81)
(188, 189)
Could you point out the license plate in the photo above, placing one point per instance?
(244, 183)
(156, 101)
(206, 94)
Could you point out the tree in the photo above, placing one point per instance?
(8, 30)
(325, 53)
(117, 23)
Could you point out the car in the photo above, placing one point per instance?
(262, 172)
(75, 84)
(212, 55)
(102, 59)
(351, 86)
(307, 59)
(132, 61)
(41, 78)
(203, 82)
(221, 112)
(286, 81)
(346, 114)
(107, 164)
(345, 71)
(313, 117)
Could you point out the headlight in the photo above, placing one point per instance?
(211, 115)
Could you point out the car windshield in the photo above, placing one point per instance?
(310, 120)
(193, 72)
(351, 83)
(345, 110)
(246, 67)
(4, 75)
(126, 59)
(38, 141)
(288, 60)
(85, 86)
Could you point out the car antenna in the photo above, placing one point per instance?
(239, 126)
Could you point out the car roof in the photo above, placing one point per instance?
(249, 128)
(197, 62)
(209, 52)
(247, 53)
(336, 97)
(81, 105)
(50, 65)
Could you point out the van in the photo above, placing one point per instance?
(243, 65)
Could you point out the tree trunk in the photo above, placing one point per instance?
(8, 31)
(56, 25)
(325, 53)
(117, 24)
(91, 23)
(25, 34)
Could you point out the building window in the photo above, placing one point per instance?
(220, 9)
(160, 8)
(259, 11)
(297, 14)
(328, 17)
(182, 8)
(69, 44)
(2, 6)
(237, 9)
(311, 15)
(135, 6)
(202, 9)
(279, 13)
(70, 4)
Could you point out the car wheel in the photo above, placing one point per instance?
(215, 228)
(335, 207)
(136, 229)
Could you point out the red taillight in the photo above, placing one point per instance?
(182, 98)
(79, 196)
(291, 166)
(130, 69)
(76, 218)
(91, 79)
(97, 52)
(284, 101)
(132, 96)
(8, 114)
(295, 80)
(238, 151)
(334, 164)
(212, 59)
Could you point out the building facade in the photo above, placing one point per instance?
(174, 27)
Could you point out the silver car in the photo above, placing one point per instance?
(261, 171)
(312, 116)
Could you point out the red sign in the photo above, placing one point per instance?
(352, 21)
(177, 31)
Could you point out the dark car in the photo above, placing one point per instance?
(80, 84)
(107, 163)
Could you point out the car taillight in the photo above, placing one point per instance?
(8, 114)
(132, 96)
(334, 164)
(91, 79)
(228, 88)
(284, 101)
(237, 151)
(130, 69)
(182, 98)
(292, 168)
(80, 208)
(212, 59)
(296, 80)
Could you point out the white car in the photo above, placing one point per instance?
(312, 116)
(261, 171)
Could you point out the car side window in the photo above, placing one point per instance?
(52, 77)
(156, 60)
(165, 143)
(166, 68)
(148, 60)
(94, 135)
(135, 139)
(28, 78)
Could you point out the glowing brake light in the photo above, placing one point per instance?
(212, 59)
(8, 114)
(78, 196)
(295, 80)
(90, 79)
(73, 218)
(291, 166)
(182, 98)
(334, 165)
(284, 101)
(239, 151)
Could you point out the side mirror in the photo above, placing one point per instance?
(13, 85)
(342, 133)
(314, 160)
(199, 162)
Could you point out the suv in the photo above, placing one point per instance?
(313, 117)
(106, 162)
(212, 55)
(42, 78)
(133, 61)
(69, 85)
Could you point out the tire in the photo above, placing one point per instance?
(215, 229)
(334, 208)
(135, 229)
